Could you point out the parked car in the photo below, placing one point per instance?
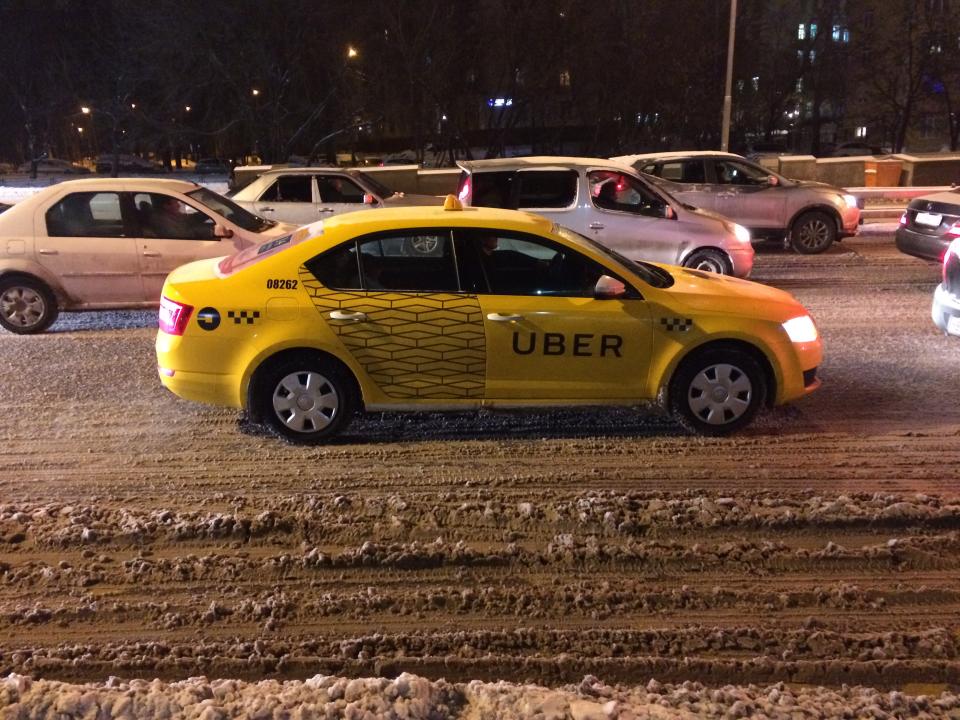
(508, 309)
(855, 149)
(929, 224)
(212, 166)
(106, 243)
(810, 215)
(611, 204)
(946, 298)
(302, 195)
(127, 164)
(55, 166)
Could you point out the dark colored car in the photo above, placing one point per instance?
(127, 164)
(929, 225)
(212, 166)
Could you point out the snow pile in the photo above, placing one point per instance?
(412, 697)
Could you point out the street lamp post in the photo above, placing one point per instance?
(727, 99)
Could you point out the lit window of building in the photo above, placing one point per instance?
(756, 82)
(862, 131)
(836, 33)
(813, 55)
(813, 30)
(799, 85)
(565, 78)
(802, 32)
(846, 35)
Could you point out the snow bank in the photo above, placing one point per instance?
(412, 697)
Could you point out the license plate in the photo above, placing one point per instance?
(953, 325)
(928, 219)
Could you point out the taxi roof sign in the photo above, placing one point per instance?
(452, 203)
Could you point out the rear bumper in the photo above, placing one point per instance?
(921, 245)
(202, 387)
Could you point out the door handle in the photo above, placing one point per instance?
(266, 209)
(596, 226)
(497, 317)
(151, 253)
(348, 316)
(48, 251)
(326, 210)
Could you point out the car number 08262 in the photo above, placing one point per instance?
(280, 284)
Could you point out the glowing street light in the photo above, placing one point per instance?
(254, 92)
(85, 110)
(187, 108)
(352, 51)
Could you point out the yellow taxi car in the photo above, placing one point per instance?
(451, 308)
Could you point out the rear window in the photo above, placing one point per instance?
(492, 189)
(252, 255)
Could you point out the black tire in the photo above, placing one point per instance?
(709, 260)
(27, 305)
(733, 374)
(813, 232)
(306, 420)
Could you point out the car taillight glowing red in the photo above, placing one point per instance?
(954, 230)
(174, 316)
(464, 193)
(903, 219)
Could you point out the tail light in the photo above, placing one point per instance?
(954, 230)
(464, 193)
(951, 263)
(174, 316)
(903, 219)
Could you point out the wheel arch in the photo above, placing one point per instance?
(254, 373)
(24, 268)
(754, 350)
(830, 210)
(697, 248)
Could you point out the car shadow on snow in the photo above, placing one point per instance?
(563, 423)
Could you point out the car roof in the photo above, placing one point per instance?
(436, 216)
(675, 154)
(541, 161)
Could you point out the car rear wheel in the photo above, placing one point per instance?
(813, 232)
(709, 260)
(27, 305)
(717, 391)
(305, 399)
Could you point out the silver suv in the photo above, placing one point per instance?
(612, 204)
(811, 215)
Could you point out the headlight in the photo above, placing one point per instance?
(741, 233)
(851, 201)
(801, 329)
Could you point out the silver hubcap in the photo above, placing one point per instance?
(424, 245)
(720, 394)
(708, 264)
(22, 306)
(814, 233)
(305, 401)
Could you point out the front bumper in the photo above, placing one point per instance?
(742, 259)
(849, 221)
(946, 311)
(921, 245)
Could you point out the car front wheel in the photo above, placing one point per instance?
(305, 399)
(717, 391)
(709, 260)
(813, 232)
(27, 305)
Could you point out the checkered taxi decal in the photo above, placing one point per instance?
(675, 324)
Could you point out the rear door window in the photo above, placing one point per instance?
(547, 188)
(682, 171)
(88, 214)
(731, 172)
(291, 188)
(493, 189)
(336, 189)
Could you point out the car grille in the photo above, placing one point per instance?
(809, 377)
(951, 274)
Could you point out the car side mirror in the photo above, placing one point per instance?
(609, 288)
(773, 180)
(222, 231)
(369, 199)
(668, 212)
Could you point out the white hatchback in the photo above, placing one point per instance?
(110, 243)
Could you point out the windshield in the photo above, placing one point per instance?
(651, 274)
(378, 187)
(230, 210)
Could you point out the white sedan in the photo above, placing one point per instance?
(110, 243)
(303, 195)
